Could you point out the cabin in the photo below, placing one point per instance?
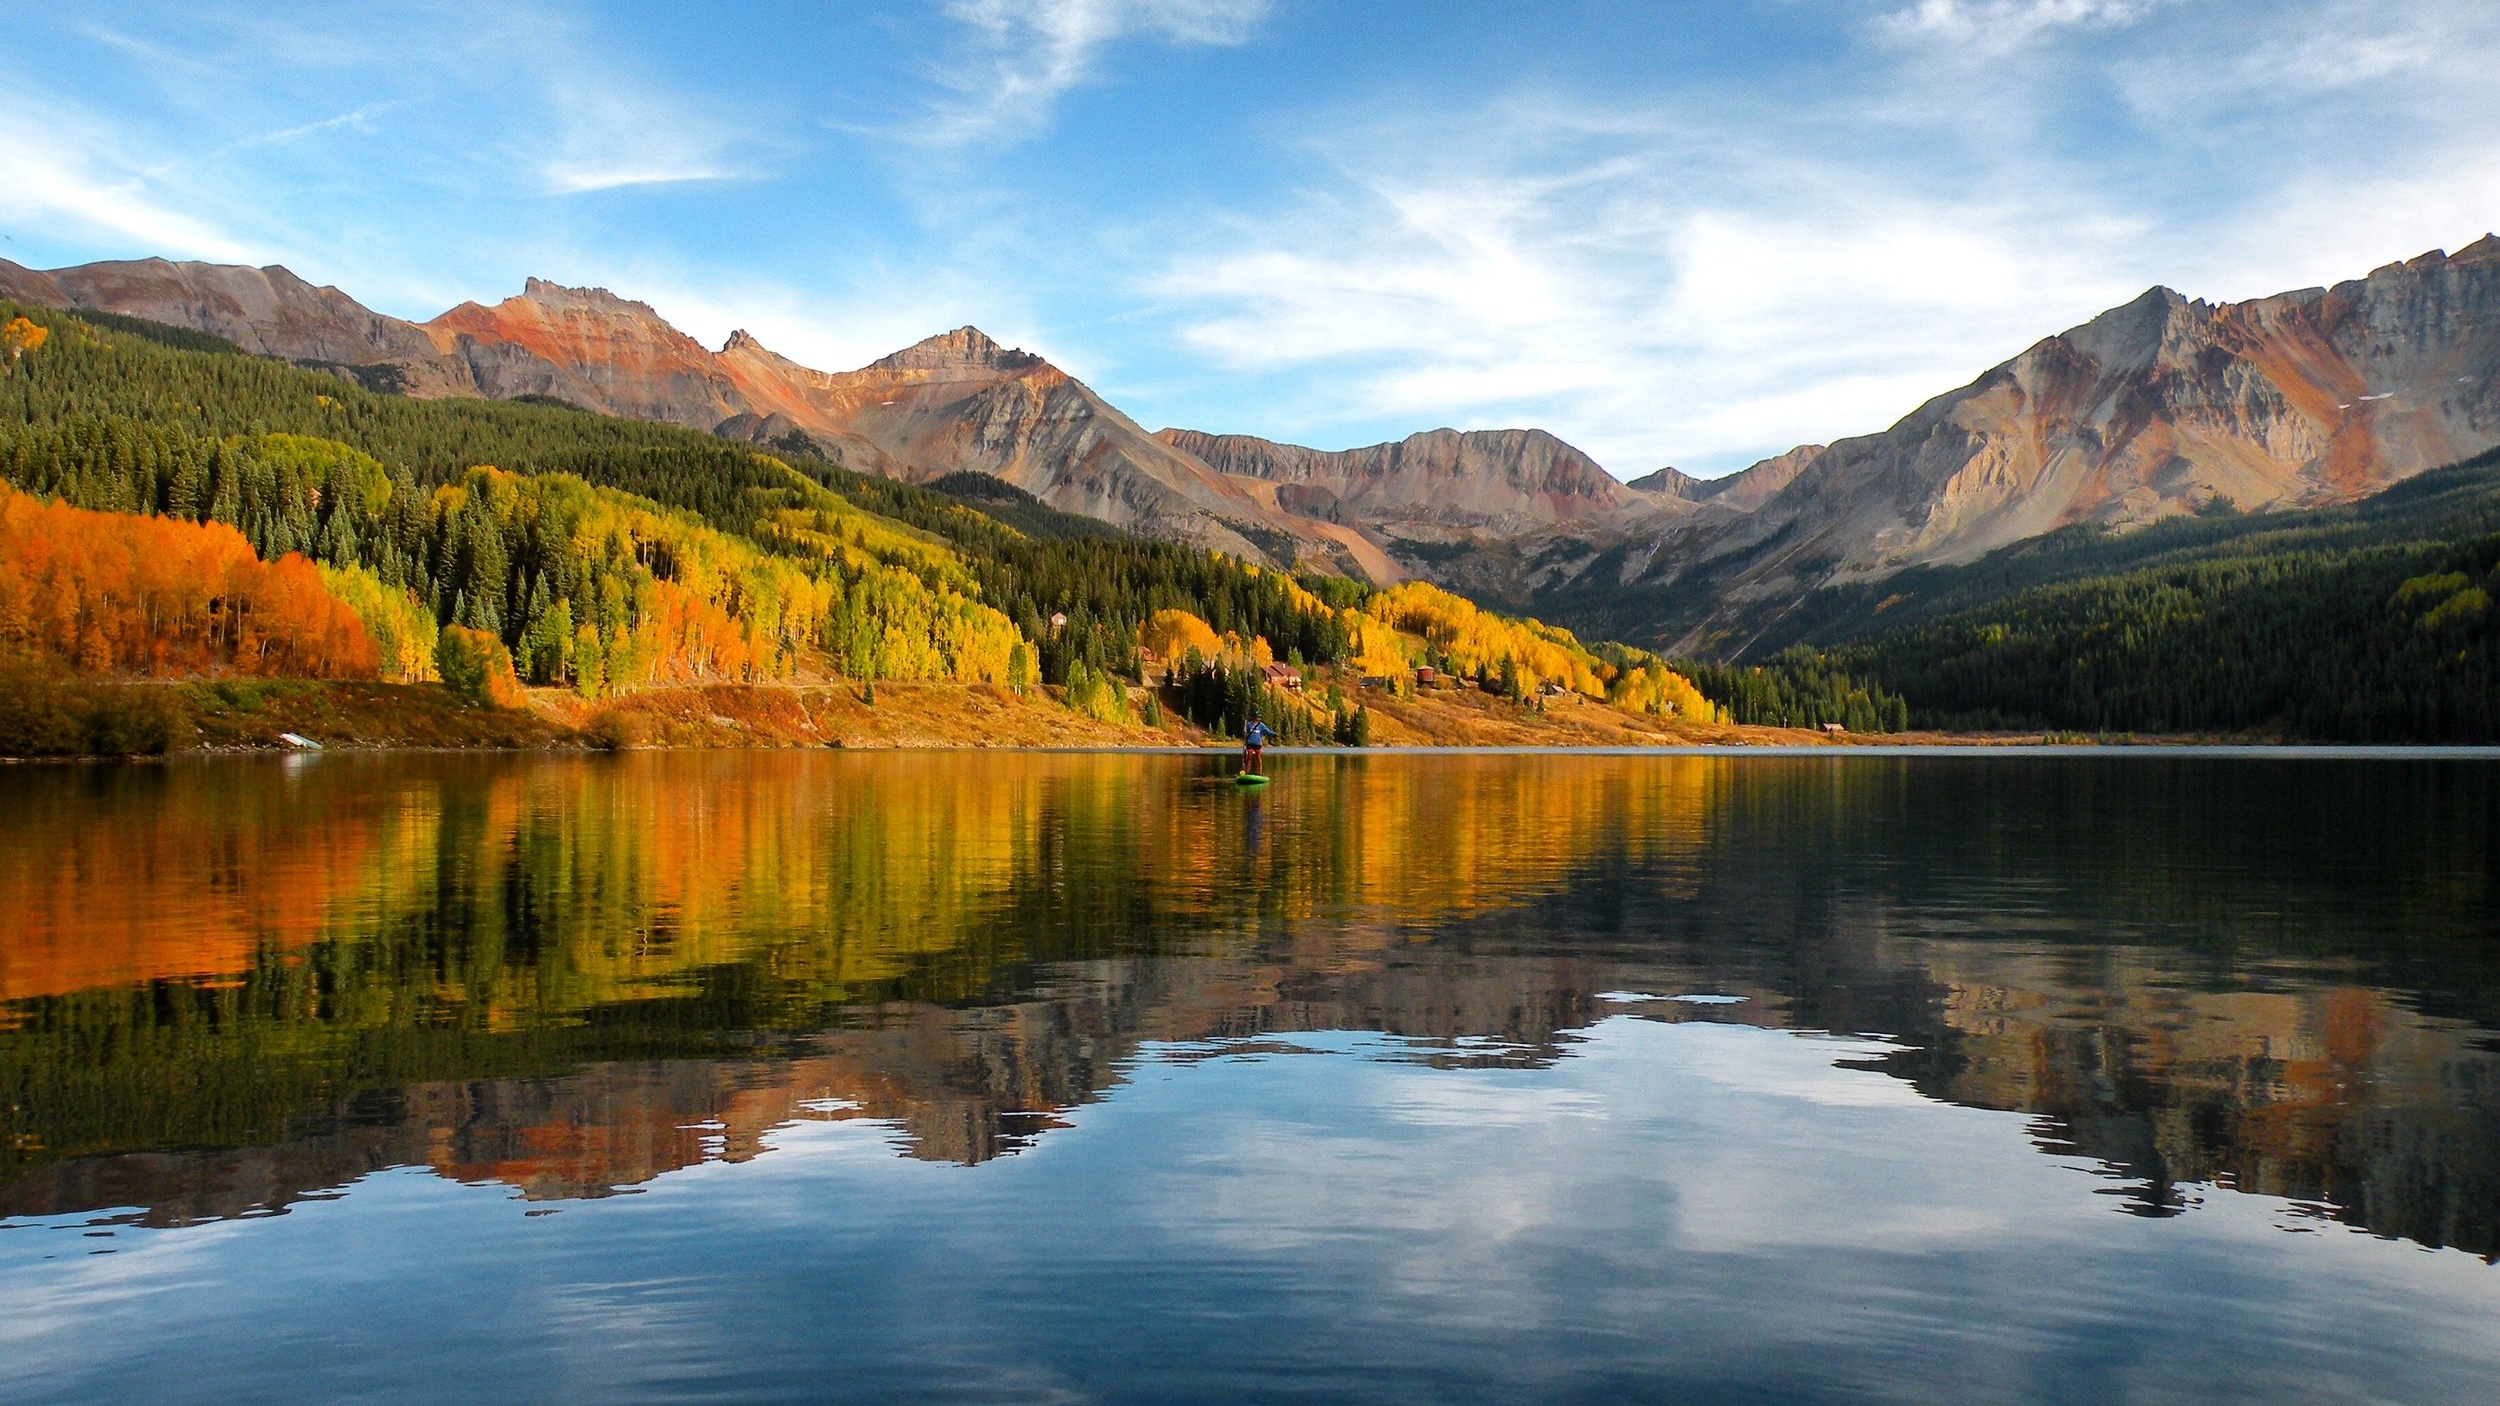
(1282, 676)
(1426, 675)
(1058, 621)
(1835, 728)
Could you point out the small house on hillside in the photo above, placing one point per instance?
(1426, 675)
(1835, 728)
(1058, 621)
(1282, 676)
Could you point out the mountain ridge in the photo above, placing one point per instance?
(2160, 407)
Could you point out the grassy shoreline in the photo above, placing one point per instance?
(254, 715)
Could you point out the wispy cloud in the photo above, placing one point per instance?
(616, 132)
(1025, 54)
(1998, 26)
(1673, 293)
(1708, 280)
(56, 170)
(361, 120)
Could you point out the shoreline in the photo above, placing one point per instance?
(244, 717)
(1982, 747)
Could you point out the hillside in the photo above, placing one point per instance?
(2369, 622)
(605, 557)
(2163, 408)
(954, 403)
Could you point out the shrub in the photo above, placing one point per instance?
(44, 713)
(613, 730)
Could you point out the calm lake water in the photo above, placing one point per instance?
(1019, 1077)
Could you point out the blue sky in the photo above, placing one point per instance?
(1671, 233)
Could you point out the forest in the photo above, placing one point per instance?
(605, 554)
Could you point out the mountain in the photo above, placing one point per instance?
(952, 403)
(1473, 511)
(1742, 492)
(2161, 408)
(1428, 486)
(1672, 482)
(2365, 622)
(959, 401)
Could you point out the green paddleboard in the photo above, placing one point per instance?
(1248, 779)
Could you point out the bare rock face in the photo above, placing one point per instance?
(961, 401)
(1750, 488)
(1497, 514)
(1742, 492)
(1501, 481)
(2157, 408)
(589, 347)
(1670, 482)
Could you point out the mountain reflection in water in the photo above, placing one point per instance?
(231, 987)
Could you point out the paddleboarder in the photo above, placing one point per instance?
(1253, 741)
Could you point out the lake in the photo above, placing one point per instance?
(2135, 1077)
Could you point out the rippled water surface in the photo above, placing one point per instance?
(1092, 1078)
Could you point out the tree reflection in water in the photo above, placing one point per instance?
(233, 985)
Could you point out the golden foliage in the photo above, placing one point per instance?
(402, 629)
(669, 599)
(1172, 634)
(1476, 641)
(20, 337)
(1654, 688)
(1379, 651)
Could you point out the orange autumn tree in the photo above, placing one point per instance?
(120, 594)
(20, 337)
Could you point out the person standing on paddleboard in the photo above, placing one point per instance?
(1253, 741)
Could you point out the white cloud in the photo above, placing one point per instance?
(1709, 278)
(1027, 53)
(58, 172)
(360, 120)
(1998, 26)
(1669, 298)
(617, 132)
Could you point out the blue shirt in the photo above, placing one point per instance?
(1255, 735)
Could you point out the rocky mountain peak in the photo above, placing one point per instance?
(1671, 481)
(2134, 335)
(596, 302)
(965, 348)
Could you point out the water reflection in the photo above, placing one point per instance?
(229, 987)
